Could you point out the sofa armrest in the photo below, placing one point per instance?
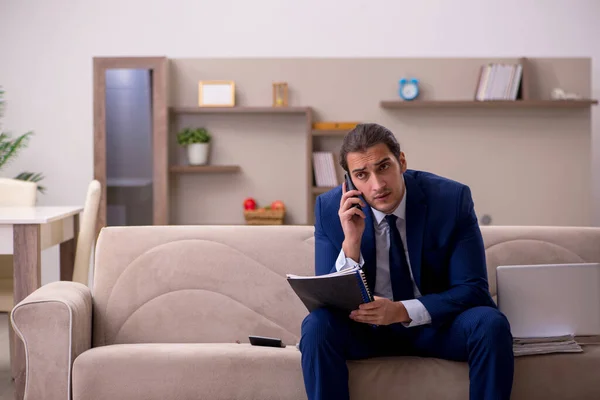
(55, 325)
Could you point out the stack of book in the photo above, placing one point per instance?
(499, 82)
(324, 167)
(545, 345)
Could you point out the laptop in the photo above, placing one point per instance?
(550, 299)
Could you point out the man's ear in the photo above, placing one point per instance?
(403, 165)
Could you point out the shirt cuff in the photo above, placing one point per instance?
(344, 262)
(416, 312)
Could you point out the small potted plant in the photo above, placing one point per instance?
(197, 142)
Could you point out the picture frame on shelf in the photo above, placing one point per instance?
(216, 93)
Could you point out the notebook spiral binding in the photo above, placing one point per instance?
(364, 287)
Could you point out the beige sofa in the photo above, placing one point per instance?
(170, 304)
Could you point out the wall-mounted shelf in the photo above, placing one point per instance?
(322, 132)
(128, 182)
(196, 169)
(239, 110)
(510, 104)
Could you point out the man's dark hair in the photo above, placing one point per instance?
(364, 136)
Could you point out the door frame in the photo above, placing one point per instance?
(158, 68)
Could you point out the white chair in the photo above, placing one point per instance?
(24, 194)
(13, 193)
(87, 233)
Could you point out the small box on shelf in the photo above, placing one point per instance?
(280, 94)
(330, 126)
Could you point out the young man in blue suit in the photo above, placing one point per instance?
(416, 236)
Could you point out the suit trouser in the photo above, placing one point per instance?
(480, 335)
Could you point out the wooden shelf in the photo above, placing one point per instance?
(333, 132)
(128, 182)
(239, 110)
(397, 104)
(197, 169)
(320, 190)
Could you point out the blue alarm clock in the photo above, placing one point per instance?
(409, 88)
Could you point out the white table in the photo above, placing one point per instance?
(24, 233)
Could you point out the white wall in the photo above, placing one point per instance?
(46, 51)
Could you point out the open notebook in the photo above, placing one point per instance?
(344, 290)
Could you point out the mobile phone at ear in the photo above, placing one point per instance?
(350, 186)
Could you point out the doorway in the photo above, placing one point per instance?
(130, 140)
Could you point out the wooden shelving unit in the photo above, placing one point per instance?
(326, 139)
(239, 110)
(489, 104)
(320, 190)
(305, 112)
(203, 169)
(323, 133)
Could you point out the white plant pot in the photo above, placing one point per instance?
(197, 153)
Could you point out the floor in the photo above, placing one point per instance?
(6, 384)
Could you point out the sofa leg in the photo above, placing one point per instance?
(17, 365)
(20, 385)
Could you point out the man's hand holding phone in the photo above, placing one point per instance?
(352, 219)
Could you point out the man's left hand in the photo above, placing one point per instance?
(380, 311)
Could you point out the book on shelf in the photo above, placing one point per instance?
(324, 169)
(344, 290)
(499, 82)
(545, 345)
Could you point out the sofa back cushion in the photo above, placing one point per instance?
(523, 245)
(195, 284)
(222, 283)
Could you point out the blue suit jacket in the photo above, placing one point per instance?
(444, 242)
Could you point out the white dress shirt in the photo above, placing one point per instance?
(383, 284)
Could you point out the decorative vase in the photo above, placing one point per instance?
(197, 153)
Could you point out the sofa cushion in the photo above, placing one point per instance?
(157, 371)
(512, 245)
(148, 281)
(241, 371)
(558, 376)
(541, 377)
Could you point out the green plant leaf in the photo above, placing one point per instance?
(9, 148)
(189, 136)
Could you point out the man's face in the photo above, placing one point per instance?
(377, 175)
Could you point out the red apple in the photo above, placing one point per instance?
(277, 205)
(249, 204)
